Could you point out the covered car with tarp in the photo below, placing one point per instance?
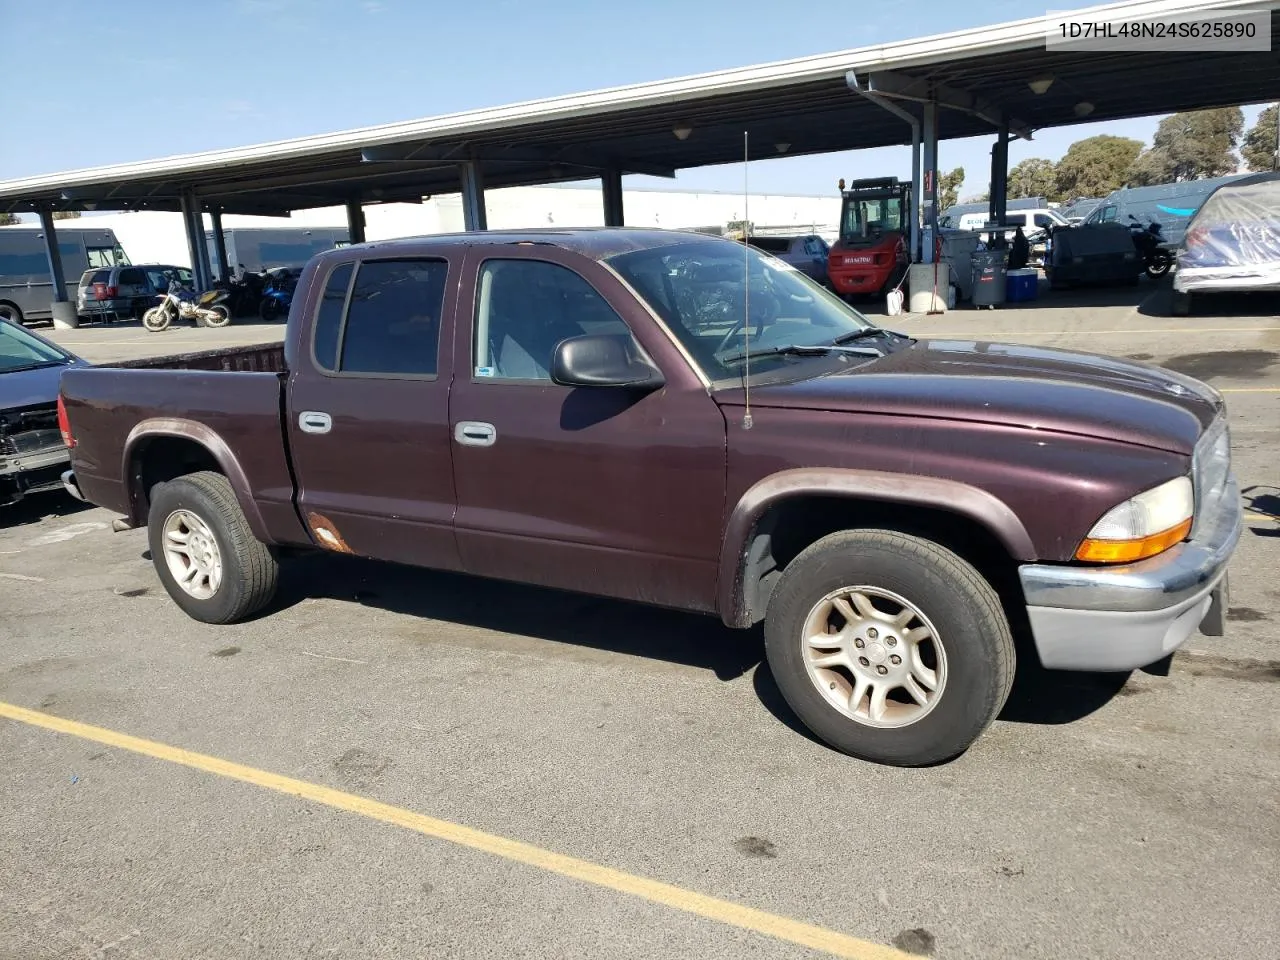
(1233, 241)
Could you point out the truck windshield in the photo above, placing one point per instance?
(865, 218)
(700, 291)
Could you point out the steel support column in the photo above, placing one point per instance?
(916, 180)
(355, 221)
(225, 269)
(473, 212)
(930, 196)
(54, 255)
(196, 246)
(611, 186)
(998, 201)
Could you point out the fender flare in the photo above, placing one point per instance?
(934, 492)
(206, 437)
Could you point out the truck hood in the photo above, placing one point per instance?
(27, 388)
(1015, 385)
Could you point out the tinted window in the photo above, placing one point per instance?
(772, 244)
(393, 323)
(524, 308)
(132, 276)
(329, 316)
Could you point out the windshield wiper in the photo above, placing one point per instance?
(864, 334)
(799, 350)
(33, 366)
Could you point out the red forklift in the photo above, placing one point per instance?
(871, 255)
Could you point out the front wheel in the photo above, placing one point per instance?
(268, 309)
(1159, 264)
(156, 319)
(204, 552)
(889, 647)
(217, 316)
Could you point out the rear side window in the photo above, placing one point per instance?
(329, 317)
(393, 322)
(132, 275)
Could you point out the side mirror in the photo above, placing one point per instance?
(603, 360)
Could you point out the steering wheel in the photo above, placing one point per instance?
(766, 314)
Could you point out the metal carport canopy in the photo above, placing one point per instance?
(804, 103)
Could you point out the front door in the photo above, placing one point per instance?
(369, 410)
(600, 489)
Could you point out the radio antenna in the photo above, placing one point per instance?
(746, 284)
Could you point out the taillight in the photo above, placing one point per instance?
(64, 424)
(113, 292)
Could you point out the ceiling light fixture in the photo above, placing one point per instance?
(682, 131)
(1083, 108)
(1040, 85)
(782, 146)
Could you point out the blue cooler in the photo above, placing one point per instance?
(1020, 285)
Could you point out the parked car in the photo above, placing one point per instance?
(806, 252)
(32, 453)
(111, 293)
(1232, 243)
(571, 409)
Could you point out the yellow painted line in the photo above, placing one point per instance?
(678, 898)
(1254, 517)
(1249, 390)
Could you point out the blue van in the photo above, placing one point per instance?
(1172, 205)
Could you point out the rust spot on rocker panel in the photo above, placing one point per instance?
(326, 533)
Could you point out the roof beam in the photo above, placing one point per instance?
(901, 86)
(458, 152)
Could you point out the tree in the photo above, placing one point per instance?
(1095, 166)
(7, 218)
(1259, 147)
(949, 187)
(1033, 178)
(1188, 146)
(66, 214)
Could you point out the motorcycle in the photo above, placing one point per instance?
(277, 293)
(1157, 259)
(244, 292)
(181, 303)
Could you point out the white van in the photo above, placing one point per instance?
(26, 288)
(1029, 220)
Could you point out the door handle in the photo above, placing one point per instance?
(475, 433)
(314, 421)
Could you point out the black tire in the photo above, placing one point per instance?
(1159, 264)
(962, 606)
(11, 312)
(268, 309)
(249, 569)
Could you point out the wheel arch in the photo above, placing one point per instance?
(164, 448)
(767, 517)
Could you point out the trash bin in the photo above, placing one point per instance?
(989, 278)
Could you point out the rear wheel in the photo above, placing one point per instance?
(10, 312)
(216, 316)
(268, 309)
(889, 647)
(204, 552)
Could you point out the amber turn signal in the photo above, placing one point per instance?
(1127, 551)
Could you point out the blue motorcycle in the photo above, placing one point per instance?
(277, 293)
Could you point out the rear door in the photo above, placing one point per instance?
(368, 409)
(598, 489)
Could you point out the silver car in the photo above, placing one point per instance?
(111, 293)
(806, 252)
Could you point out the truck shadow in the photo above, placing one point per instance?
(40, 506)
(1039, 696)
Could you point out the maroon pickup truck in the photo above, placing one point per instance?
(680, 420)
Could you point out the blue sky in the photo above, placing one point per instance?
(138, 79)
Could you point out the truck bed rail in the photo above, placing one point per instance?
(259, 357)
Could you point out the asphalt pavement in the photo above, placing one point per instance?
(426, 721)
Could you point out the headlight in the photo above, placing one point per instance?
(1148, 524)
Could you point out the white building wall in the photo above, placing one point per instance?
(150, 237)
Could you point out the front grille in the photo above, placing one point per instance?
(29, 430)
(1211, 470)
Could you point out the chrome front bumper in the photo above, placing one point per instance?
(1122, 618)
